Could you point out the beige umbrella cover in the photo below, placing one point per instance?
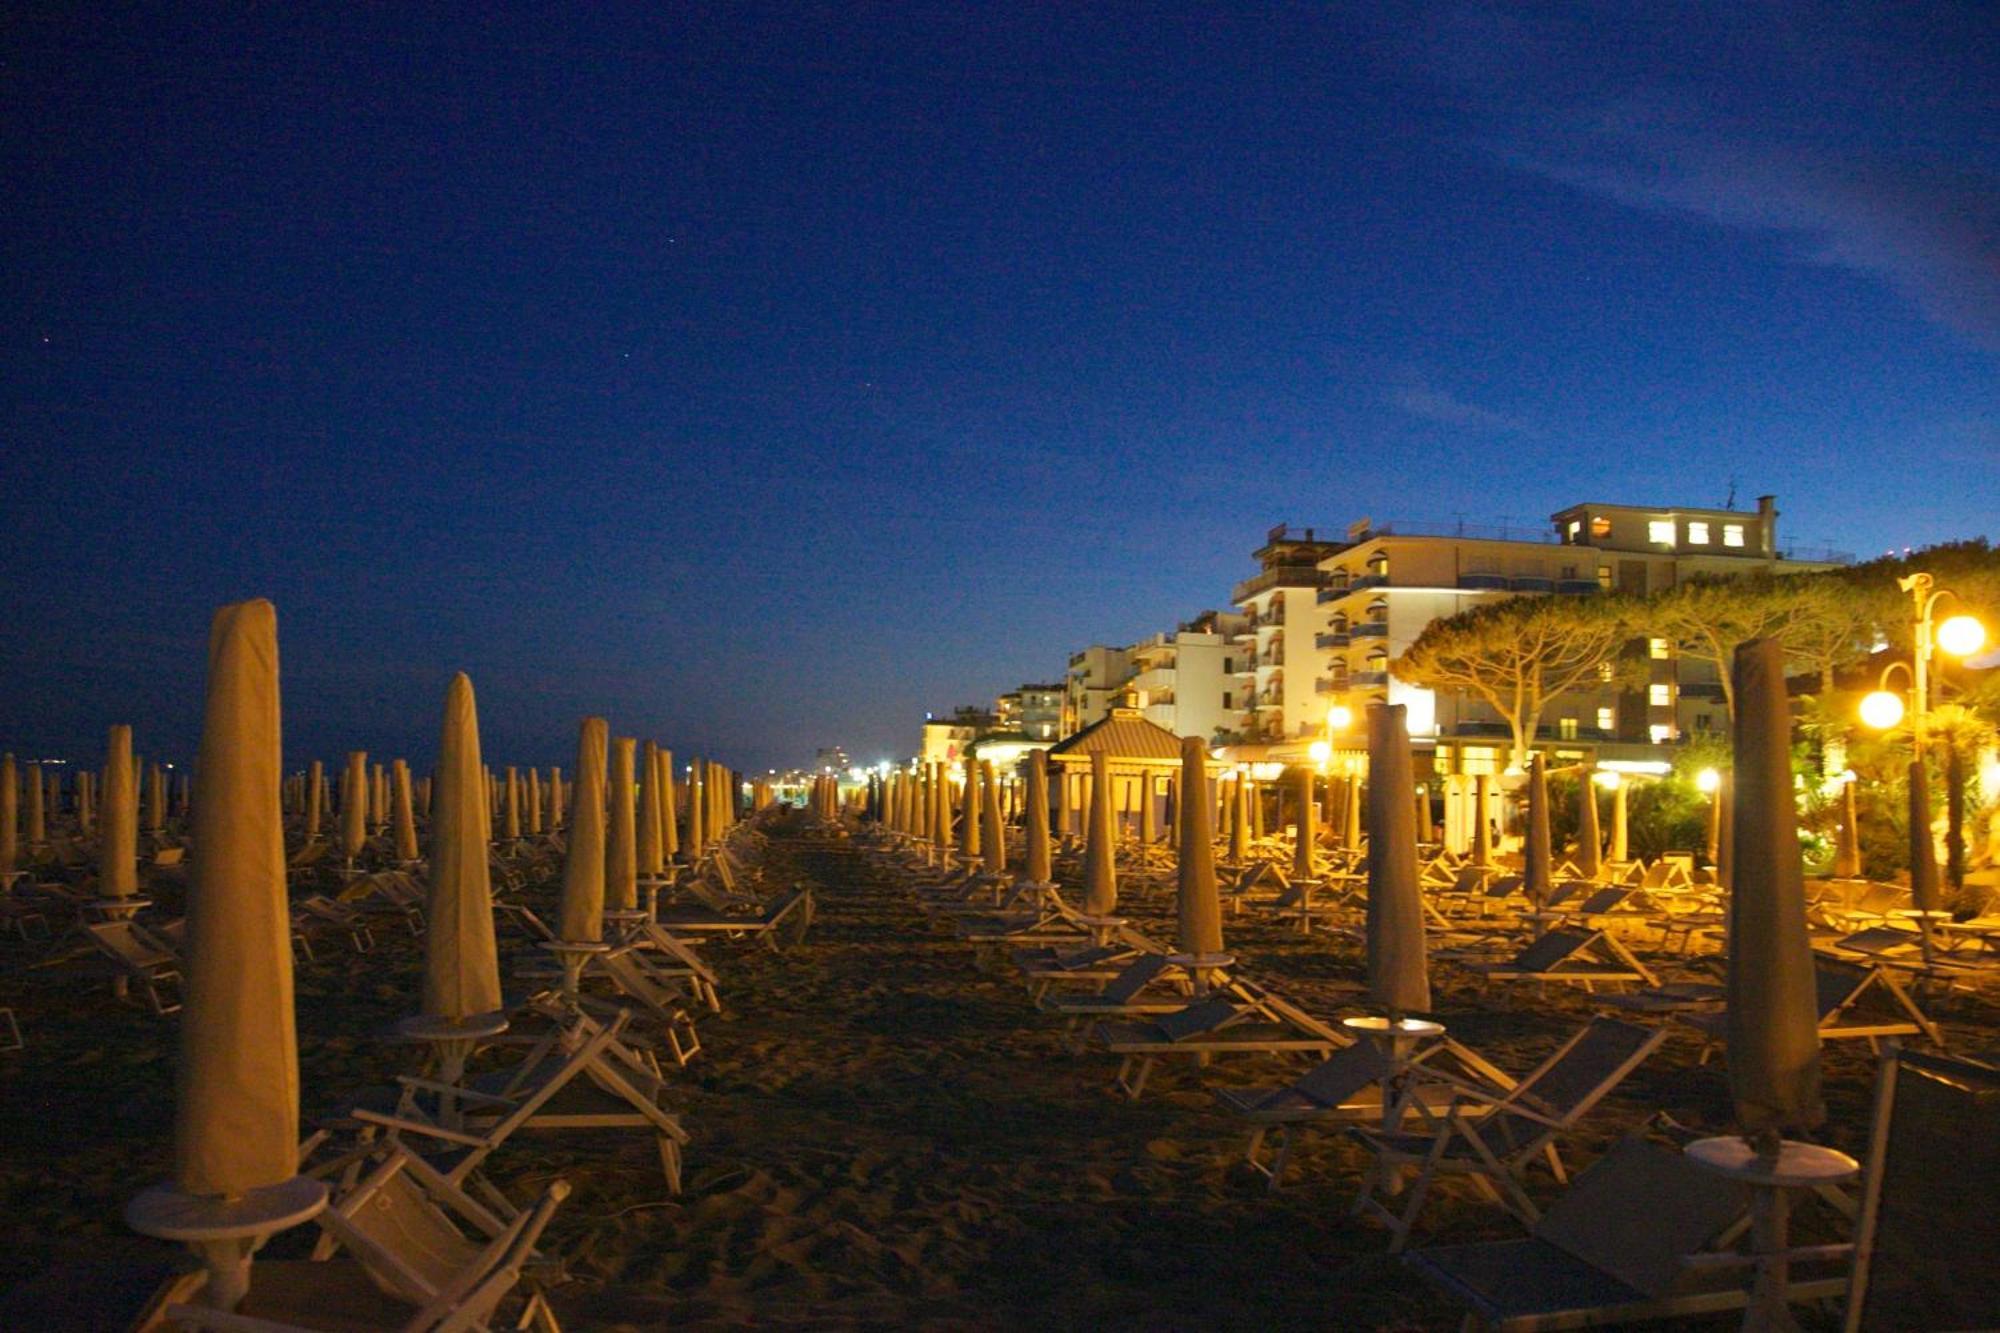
(941, 811)
(1199, 903)
(1306, 832)
(236, 1125)
(10, 815)
(1589, 841)
(1398, 981)
(354, 805)
(996, 834)
(1773, 1013)
(315, 798)
(621, 855)
(651, 863)
(118, 846)
(582, 914)
(696, 834)
(1482, 823)
(1537, 860)
(1239, 821)
(1036, 850)
(1100, 876)
(1621, 805)
(556, 811)
(534, 811)
(670, 834)
(1351, 839)
(404, 811)
(461, 960)
(969, 807)
(156, 799)
(1847, 848)
(510, 826)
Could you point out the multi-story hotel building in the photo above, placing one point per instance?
(1092, 684)
(1372, 595)
(1187, 681)
(1282, 618)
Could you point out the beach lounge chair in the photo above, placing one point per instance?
(1149, 984)
(139, 957)
(786, 919)
(1615, 1249)
(1510, 1132)
(394, 891)
(582, 1074)
(1933, 1146)
(1855, 1001)
(1574, 956)
(1249, 1021)
(322, 911)
(637, 983)
(402, 1265)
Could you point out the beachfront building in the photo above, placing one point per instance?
(946, 739)
(1093, 683)
(1388, 581)
(1186, 680)
(1276, 667)
(1032, 711)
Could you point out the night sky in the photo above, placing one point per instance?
(760, 377)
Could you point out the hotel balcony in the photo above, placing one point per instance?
(1336, 639)
(1332, 685)
(1370, 629)
(1369, 680)
(1279, 576)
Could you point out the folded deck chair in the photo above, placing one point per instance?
(640, 986)
(787, 918)
(1620, 1247)
(403, 1266)
(1495, 1147)
(389, 891)
(670, 957)
(1855, 1001)
(1249, 1021)
(1574, 956)
(1934, 1148)
(582, 1074)
(1149, 984)
(320, 910)
(139, 956)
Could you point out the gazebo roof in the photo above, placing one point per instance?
(1124, 737)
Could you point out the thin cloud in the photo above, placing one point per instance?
(1433, 404)
(1930, 233)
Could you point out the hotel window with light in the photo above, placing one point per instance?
(1575, 528)
(1566, 728)
(1660, 531)
(1604, 577)
(1732, 534)
(1657, 648)
(1607, 719)
(1605, 671)
(1697, 534)
(1660, 694)
(1660, 732)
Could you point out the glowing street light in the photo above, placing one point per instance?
(1339, 718)
(1961, 636)
(1707, 781)
(1882, 709)
(1319, 752)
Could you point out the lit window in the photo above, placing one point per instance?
(1607, 719)
(1657, 647)
(1566, 728)
(1660, 531)
(1600, 527)
(1660, 694)
(1732, 534)
(1605, 671)
(1575, 528)
(1698, 534)
(1660, 732)
(1604, 576)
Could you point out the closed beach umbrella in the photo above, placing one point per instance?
(1398, 981)
(1621, 825)
(38, 827)
(378, 798)
(10, 816)
(996, 834)
(156, 799)
(1351, 838)
(1847, 851)
(236, 1126)
(1588, 841)
(581, 920)
(670, 834)
(86, 802)
(1200, 928)
(1035, 852)
(118, 846)
(1923, 852)
(315, 797)
(354, 805)
(1100, 877)
(1482, 825)
(511, 824)
(1537, 859)
(534, 803)
(969, 807)
(461, 961)
(696, 827)
(1773, 1018)
(651, 864)
(1725, 843)
(404, 810)
(556, 812)
(1306, 831)
(1149, 815)
(941, 811)
(621, 853)
(1239, 820)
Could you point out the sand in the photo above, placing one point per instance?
(885, 1133)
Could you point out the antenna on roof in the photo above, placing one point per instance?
(1730, 503)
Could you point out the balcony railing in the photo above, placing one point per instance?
(1371, 629)
(1279, 576)
(1369, 680)
(1331, 685)
(1336, 639)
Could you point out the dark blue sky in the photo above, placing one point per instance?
(762, 376)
